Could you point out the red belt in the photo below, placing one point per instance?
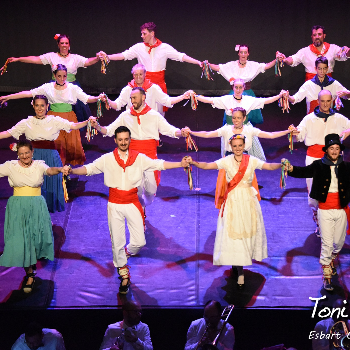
(159, 79)
(44, 144)
(149, 148)
(126, 197)
(315, 151)
(313, 105)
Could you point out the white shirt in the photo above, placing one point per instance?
(308, 58)
(152, 123)
(333, 187)
(69, 95)
(313, 130)
(156, 60)
(72, 61)
(248, 131)
(233, 70)
(310, 91)
(114, 330)
(155, 98)
(52, 340)
(116, 177)
(196, 331)
(40, 129)
(19, 176)
(228, 102)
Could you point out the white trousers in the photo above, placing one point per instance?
(333, 232)
(117, 213)
(313, 203)
(148, 189)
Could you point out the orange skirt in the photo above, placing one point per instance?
(69, 144)
(221, 187)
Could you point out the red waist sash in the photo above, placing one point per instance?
(159, 79)
(313, 105)
(315, 151)
(236, 179)
(149, 148)
(333, 202)
(126, 197)
(309, 76)
(44, 144)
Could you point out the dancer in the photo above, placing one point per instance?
(42, 130)
(312, 131)
(155, 97)
(311, 88)
(153, 54)
(145, 125)
(61, 96)
(319, 47)
(210, 324)
(70, 60)
(331, 188)
(245, 70)
(123, 171)
(28, 228)
(240, 234)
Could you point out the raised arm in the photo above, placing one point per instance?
(27, 59)
(274, 98)
(92, 99)
(185, 162)
(214, 67)
(204, 165)
(180, 98)
(205, 99)
(80, 125)
(16, 96)
(205, 134)
(270, 65)
(271, 166)
(56, 170)
(116, 57)
(189, 59)
(97, 126)
(92, 60)
(4, 135)
(78, 171)
(273, 135)
(288, 61)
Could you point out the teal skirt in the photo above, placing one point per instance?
(27, 232)
(254, 116)
(52, 189)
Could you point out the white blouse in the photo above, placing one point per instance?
(116, 177)
(19, 176)
(70, 95)
(72, 61)
(40, 129)
(233, 70)
(248, 131)
(151, 124)
(228, 102)
(156, 60)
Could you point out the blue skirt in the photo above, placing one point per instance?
(27, 232)
(82, 110)
(51, 189)
(254, 116)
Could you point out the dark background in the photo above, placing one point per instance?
(202, 29)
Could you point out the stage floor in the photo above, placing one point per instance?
(175, 268)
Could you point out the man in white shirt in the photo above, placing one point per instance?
(129, 334)
(155, 97)
(210, 324)
(145, 125)
(123, 171)
(36, 337)
(311, 88)
(312, 131)
(319, 47)
(153, 54)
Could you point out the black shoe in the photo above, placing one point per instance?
(327, 285)
(334, 271)
(27, 288)
(240, 286)
(124, 289)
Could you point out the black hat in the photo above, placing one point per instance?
(332, 139)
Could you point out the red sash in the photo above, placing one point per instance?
(126, 197)
(313, 105)
(43, 144)
(159, 79)
(333, 202)
(315, 151)
(145, 110)
(236, 179)
(314, 50)
(156, 44)
(309, 76)
(149, 148)
(146, 84)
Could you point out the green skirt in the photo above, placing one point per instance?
(27, 232)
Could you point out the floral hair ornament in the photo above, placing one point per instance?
(54, 67)
(237, 47)
(13, 147)
(57, 36)
(237, 137)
